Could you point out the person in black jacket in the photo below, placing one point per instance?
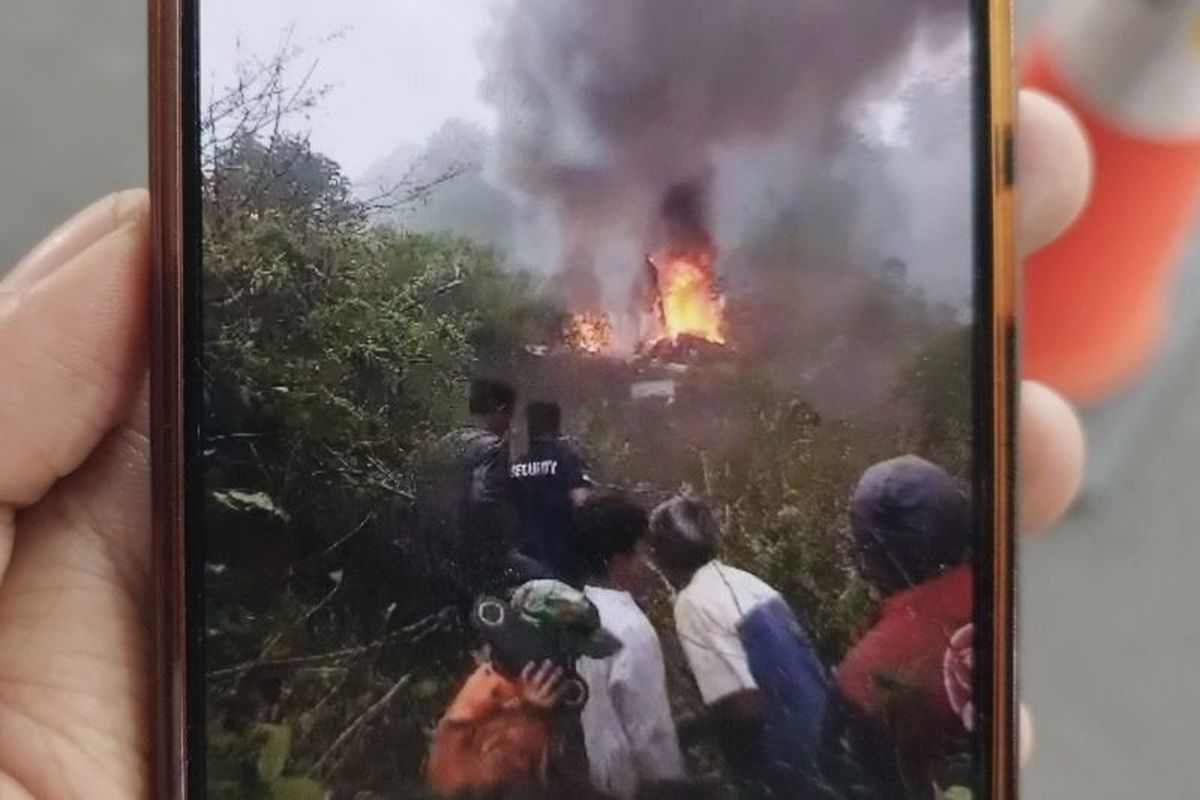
(549, 481)
(471, 504)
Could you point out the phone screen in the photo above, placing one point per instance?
(587, 399)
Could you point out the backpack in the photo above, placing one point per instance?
(795, 687)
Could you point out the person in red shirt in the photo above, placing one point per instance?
(911, 523)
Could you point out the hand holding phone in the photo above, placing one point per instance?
(43, 313)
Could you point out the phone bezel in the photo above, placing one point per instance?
(174, 143)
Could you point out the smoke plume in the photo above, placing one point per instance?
(607, 106)
(683, 219)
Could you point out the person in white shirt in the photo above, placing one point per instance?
(628, 730)
(753, 662)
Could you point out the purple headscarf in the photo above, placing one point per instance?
(911, 521)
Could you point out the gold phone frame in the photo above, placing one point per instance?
(169, 27)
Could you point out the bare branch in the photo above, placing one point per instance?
(274, 641)
(360, 722)
(412, 633)
(409, 191)
(348, 536)
(262, 99)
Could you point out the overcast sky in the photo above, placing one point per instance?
(387, 53)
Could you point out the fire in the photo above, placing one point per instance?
(682, 309)
(688, 302)
(589, 332)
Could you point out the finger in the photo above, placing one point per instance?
(109, 498)
(529, 673)
(1054, 170)
(74, 236)
(72, 355)
(1051, 447)
(82, 559)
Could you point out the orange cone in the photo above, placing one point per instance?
(1096, 301)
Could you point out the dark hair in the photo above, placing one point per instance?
(490, 394)
(606, 526)
(911, 521)
(543, 419)
(684, 534)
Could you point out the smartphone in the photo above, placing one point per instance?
(584, 398)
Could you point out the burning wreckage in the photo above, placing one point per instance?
(680, 311)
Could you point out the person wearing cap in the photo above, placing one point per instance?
(911, 524)
(512, 726)
(548, 482)
(628, 730)
(753, 662)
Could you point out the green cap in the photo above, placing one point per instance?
(558, 609)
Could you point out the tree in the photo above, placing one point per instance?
(335, 355)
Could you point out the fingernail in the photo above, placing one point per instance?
(74, 236)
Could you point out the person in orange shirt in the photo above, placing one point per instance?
(497, 733)
(513, 728)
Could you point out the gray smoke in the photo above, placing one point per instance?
(605, 105)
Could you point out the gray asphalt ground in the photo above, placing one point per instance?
(1110, 633)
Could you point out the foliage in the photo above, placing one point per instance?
(936, 385)
(267, 780)
(335, 356)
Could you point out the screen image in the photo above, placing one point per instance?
(586, 400)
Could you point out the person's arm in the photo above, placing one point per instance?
(490, 480)
(722, 672)
(737, 722)
(639, 693)
(575, 475)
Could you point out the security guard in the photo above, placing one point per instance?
(549, 481)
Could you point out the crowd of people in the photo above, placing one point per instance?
(570, 696)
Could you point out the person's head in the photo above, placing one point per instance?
(544, 420)
(684, 536)
(492, 402)
(608, 538)
(911, 521)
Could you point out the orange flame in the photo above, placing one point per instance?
(589, 332)
(688, 302)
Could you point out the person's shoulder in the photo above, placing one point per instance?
(618, 611)
(718, 580)
(570, 450)
(743, 582)
(468, 437)
(721, 596)
(947, 598)
(707, 600)
(477, 441)
(571, 444)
